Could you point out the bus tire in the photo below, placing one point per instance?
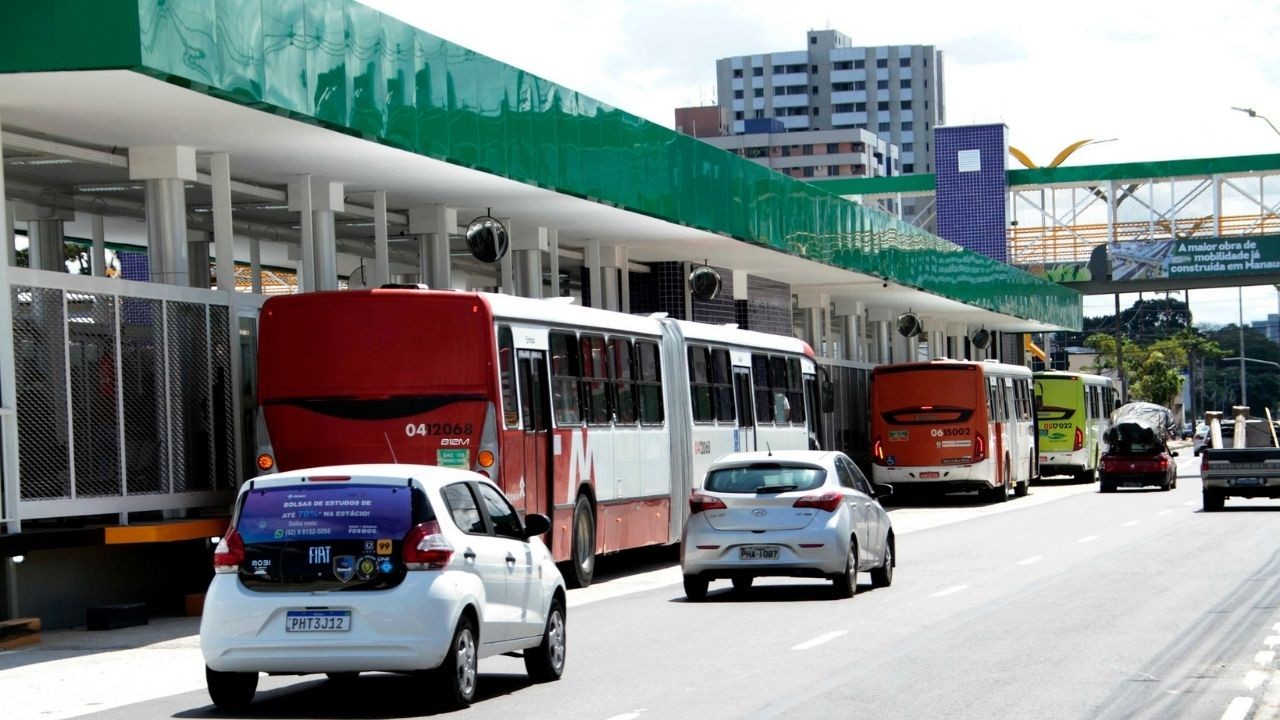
(582, 544)
(1022, 488)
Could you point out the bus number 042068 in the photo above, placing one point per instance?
(425, 429)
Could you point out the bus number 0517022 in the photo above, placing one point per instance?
(426, 429)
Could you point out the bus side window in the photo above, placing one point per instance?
(760, 379)
(649, 383)
(700, 393)
(778, 389)
(795, 391)
(623, 369)
(595, 380)
(565, 378)
(507, 375)
(722, 382)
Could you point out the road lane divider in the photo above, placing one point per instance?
(1087, 538)
(1238, 709)
(1030, 560)
(826, 637)
(1131, 523)
(950, 591)
(1264, 657)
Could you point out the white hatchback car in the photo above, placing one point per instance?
(401, 568)
(794, 513)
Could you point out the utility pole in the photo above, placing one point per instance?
(1244, 393)
(1124, 390)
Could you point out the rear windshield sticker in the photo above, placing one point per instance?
(344, 567)
(324, 513)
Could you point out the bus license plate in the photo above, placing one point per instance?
(758, 552)
(929, 475)
(317, 621)
(1247, 481)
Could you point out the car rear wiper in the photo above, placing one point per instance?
(772, 489)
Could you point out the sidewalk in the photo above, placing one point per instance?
(77, 672)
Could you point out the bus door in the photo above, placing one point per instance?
(742, 396)
(535, 406)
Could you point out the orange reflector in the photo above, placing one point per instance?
(266, 462)
(485, 458)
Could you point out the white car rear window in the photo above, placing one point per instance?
(764, 478)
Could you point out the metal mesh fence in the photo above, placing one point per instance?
(189, 408)
(94, 393)
(39, 328)
(222, 400)
(142, 384)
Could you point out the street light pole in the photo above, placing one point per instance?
(1253, 113)
(1244, 394)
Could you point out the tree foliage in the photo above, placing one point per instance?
(1154, 370)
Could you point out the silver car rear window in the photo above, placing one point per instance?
(764, 478)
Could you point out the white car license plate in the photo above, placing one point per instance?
(317, 621)
(758, 552)
(1247, 481)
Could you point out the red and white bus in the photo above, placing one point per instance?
(601, 420)
(954, 425)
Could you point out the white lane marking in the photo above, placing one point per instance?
(1264, 657)
(1164, 512)
(1030, 560)
(1238, 709)
(1254, 678)
(950, 591)
(828, 637)
(627, 716)
(1131, 523)
(1189, 503)
(1272, 641)
(1087, 538)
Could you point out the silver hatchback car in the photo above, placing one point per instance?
(794, 513)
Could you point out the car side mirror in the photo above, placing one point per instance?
(881, 490)
(1173, 454)
(535, 525)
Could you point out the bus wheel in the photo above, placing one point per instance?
(582, 556)
(1022, 488)
(1000, 493)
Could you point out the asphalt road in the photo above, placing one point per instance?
(1066, 604)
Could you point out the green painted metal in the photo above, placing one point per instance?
(69, 35)
(1074, 175)
(343, 66)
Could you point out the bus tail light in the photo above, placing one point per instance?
(979, 447)
(486, 462)
(1079, 443)
(877, 452)
(829, 501)
(425, 548)
(699, 503)
(229, 554)
(266, 463)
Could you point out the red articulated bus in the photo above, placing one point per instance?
(600, 420)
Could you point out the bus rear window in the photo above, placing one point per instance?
(927, 415)
(1046, 412)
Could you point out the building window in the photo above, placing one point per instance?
(908, 126)
(909, 168)
(737, 94)
(904, 84)
(841, 87)
(926, 126)
(859, 147)
(779, 90)
(859, 64)
(882, 84)
(759, 114)
(757, 72)
(833, 170)
(842, 108)
(926, 104)
(904, 62)
(815, 112)
(786, 151)
(860, 85)
(758, 92)
(908, 147)
(808, 172)
(833, 147)
(737, 73)
(795, 68)
(905, 105)
(813, 39)
(777, 69)
(882, 106)
(882, 63)
(846, 65)
(737, 115)
(808, 149)
(884, 126)
(813, 69)
(860, 107)
(926, 80)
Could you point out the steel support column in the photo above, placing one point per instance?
(381, 259)
(225, 263)
(9, 489)
(591, 259)
(98, 253)
(45, 243)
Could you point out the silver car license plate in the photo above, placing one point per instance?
(1247, 481)
(758, 552)
(317, 621)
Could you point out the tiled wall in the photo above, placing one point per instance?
(767, 309)
(972, 190)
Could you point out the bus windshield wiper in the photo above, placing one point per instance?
(773, 489)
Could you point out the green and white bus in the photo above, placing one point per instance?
(1073, 410)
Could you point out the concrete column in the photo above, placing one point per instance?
(255, 265)
(935, 336)
(882, 345)
(624, 280)
(957, 333)
(591, 259)
(225, 261)
(165, 169)
(527, 245)
(326, 199)
(45, 243)
(613, 262)
(816, 323)
(553, 261)
(381, 253)
(506, 266)
(851, 319)
(198, 258)
(6, 225)
(98, 253)
(300, 202)
(433, 224)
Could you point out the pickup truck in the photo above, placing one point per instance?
(1230, 471)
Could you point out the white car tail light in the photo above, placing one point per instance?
(229, 554)
(425, 548)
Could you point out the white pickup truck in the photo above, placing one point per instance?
(1236, 463)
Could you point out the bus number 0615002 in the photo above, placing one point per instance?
(425, 429)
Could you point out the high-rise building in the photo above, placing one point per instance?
(807, 154)
(894, 91)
